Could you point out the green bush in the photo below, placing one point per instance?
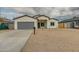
(3, 26)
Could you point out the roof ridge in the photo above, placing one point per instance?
(21, 16)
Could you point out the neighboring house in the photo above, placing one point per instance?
(38, 21)
(3, 23)
(70, 23)
(6, 24)
(11, 25)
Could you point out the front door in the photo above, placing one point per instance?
(41, 25)
(38, 25)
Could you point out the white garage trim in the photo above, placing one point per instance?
(24, 19)
(15, 25)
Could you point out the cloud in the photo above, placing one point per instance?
(10, 15)
(24, 10)
(48, 11)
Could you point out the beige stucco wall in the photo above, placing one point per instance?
(55, 22)
(67, 25)
(43, 18)
(11, 26)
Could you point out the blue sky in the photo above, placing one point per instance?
(60, 13)
(8, 13)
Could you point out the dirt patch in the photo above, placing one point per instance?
(53, 40)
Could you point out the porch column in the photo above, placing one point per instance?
(40, 24)
(15, 25)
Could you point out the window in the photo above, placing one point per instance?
(77, 22)
(52, 23)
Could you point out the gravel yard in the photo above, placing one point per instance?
(53, 40)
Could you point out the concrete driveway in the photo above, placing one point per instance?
(13, 40)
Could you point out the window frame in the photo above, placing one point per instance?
(52, 23)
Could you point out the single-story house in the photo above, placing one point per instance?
(38, 21)
(70, 23)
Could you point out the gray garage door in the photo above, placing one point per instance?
(25, 25)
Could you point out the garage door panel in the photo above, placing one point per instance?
(25, 25)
